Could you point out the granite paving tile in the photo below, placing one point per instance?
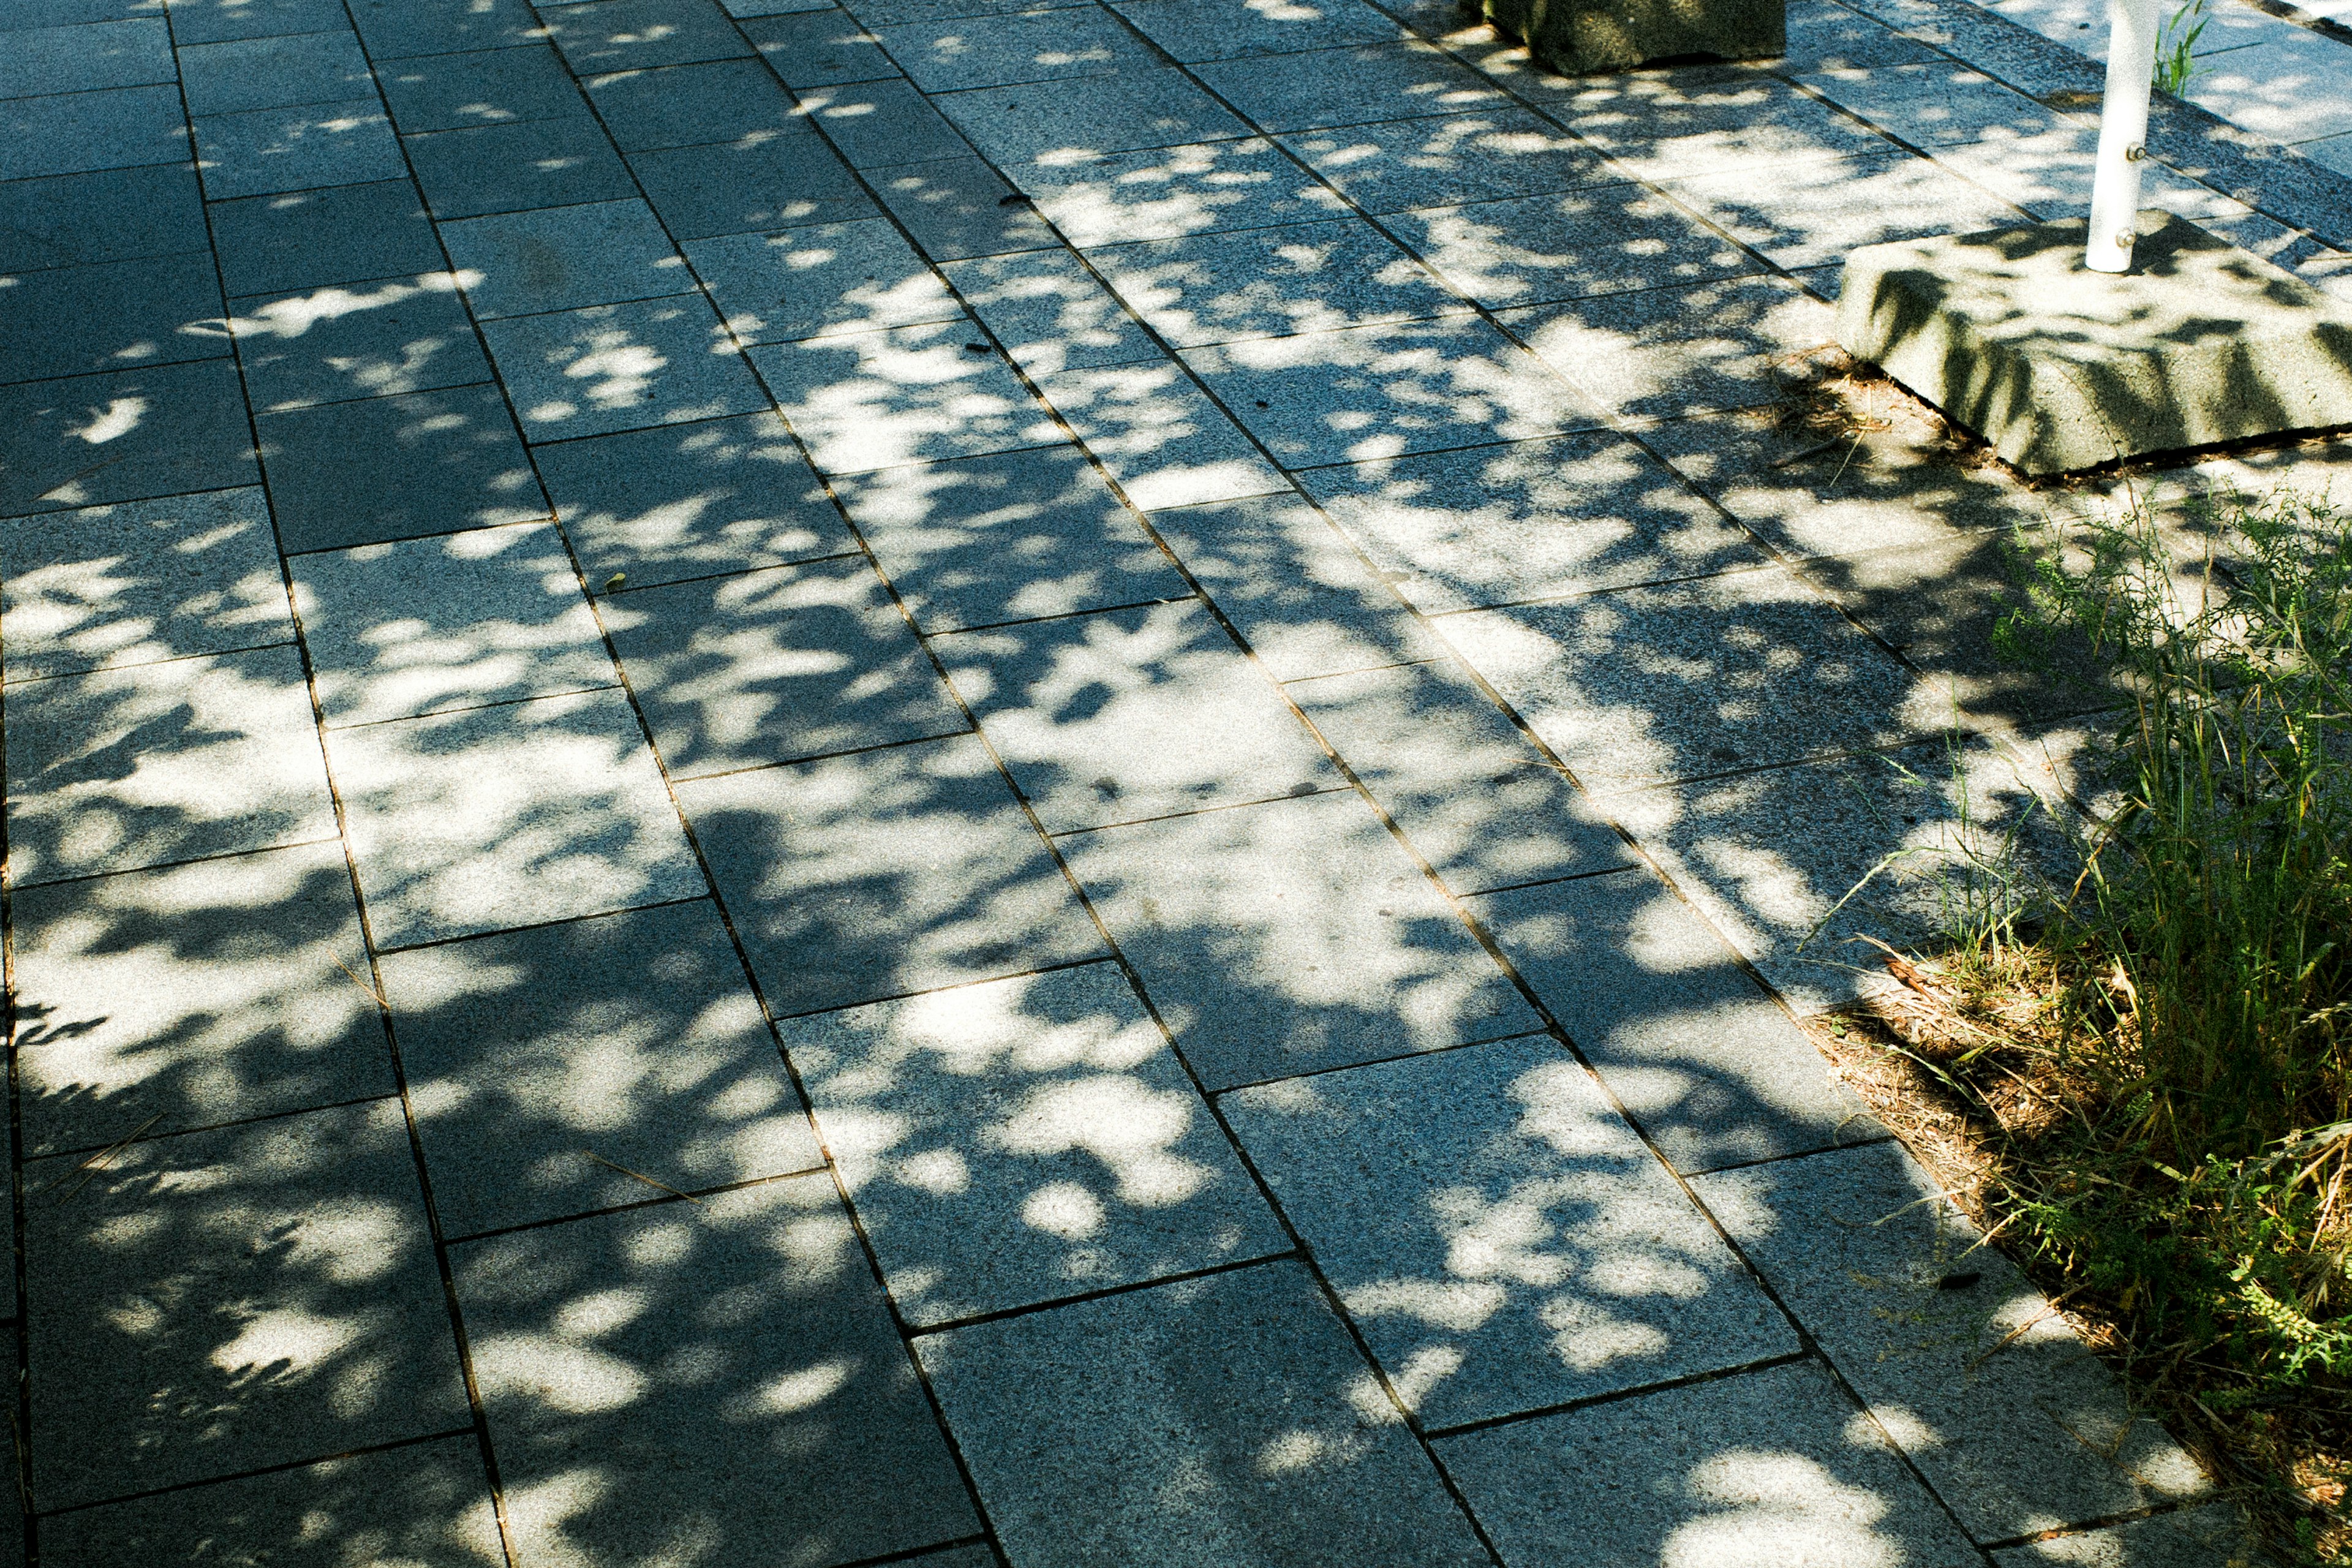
(123, 435)
(818, 45)
(749, 188)
(1436, 163)
(689, 500)
(639, 35)
(2034, 1438)
(1272, 282)
(1005, 51)
(1528, 519)
(1669, 126)
(1022, 1140)
(306, 1313)
(961, 208)
(76, 133)
(479, 86)
(277, 72)
(30, 14)
(883, 873)
(518, 165)
(1291, 937)
(621, 368)
(1586, 242)
(1099, 718)
(1196, 30)
(822, 280)
(109, 215)
(394, 467)
(463, 620)
(1362, 393)
(85, 58)
(425, 1502)
(1350, 87)
(1665, 352)
(138, 582)
(1048, 312)
(539, 1060)
(1013, 537)
(1930, 103)
(404, 30)
(1168, 193)
(309, 239)
(603, 1347)
(1023, 126)
(1473, 795)
(1158, 434)
(263, 151)
(181, 998)
(1221, 1420)
(213, 21)
(1293, 586)
(878, 124)
(892, 13)
(69, 320)
(1822, 37)
(688, 106)
(878, 400)
(1643, 685)
(373, 339)
(2188, 1539)
(121, 769)
(775, 665)
(1774, 1466)
(1501, 1236)
(1703, 1061)
(564, 258)
(1817, 212)
(491, 818)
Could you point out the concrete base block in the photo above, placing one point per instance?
(2062, 368)
(1577, 35)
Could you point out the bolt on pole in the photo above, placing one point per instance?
(2123, 134)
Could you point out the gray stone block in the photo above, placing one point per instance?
(961, 208)
(126, 436)
(344, 234)
(160, 762)
(1023, 1140)
(211, 21)
(75, 132)
(877, 124)
(1604, 240)
(891, 13)
(1005, 51)
(1150, 424)
(482, 86)
(109, 215)
(69, 320)
(85, 58)
(1298, 594)
(30, 14)
(1499, 1235)
(690, 500)
(277, 72)
(1021, 126)
(1455, 531)
(139, 582)
(408, 29)
(1934, 102)
(2192, 1537)
(1665, 352)
(1196, 30)
(539, 1060)
(986, 541)
(159, 1001)
(884, 873)
(1478, 802)
(306, 1314)
(1479, 157)
(2034, 1435)
(1708, 1065)
(1167, 193)
(824, 280)
(1049, 312)
(1131, 714)
(425, 1503)
(462, 620)
(394, 467)
(1668, 125)
(564, 258)
(1290, 937)
(517, 166)
(1226, 1420)
(1642, 685)
(776, 666)
(2060, 368)
(638, 35)
(1272, 282)
(818, 45)
(604, 1348)
(263, 151)
(1817, 212)
(621, 368)
(1618, 35)
(912, 394)
(1362, 393)
(737, 189)
(692, 106)
(1772, 1467)
(376, 339)
(491, 818)
(1350, 87)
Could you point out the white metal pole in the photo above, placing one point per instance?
(2123, 134)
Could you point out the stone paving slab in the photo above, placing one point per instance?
(484, 87)
(74, 133)
(1049, 312)
(277, 72)
(1196, 30)
(593, 371)
(1137, 109)
(1005, 51)
(211, 21)
(265, 151)
(69, 320)
(1666, 352)
(599, 253)
(881, 400)
(1022, 1140)
(1166, 443)
(517, 166)
(128, 434)
(309, 239)
(1349, 87)
(1299, 277)
(375, 338)
(1409, 164)
(129, 53)
(816, 44)
(1599, 241)
(824, 280)
(734, 188)
(875, 124)
(1499, 1235)
(380, 469)
(693, 105)
(112, 214)
(957, 208)
(1225, 1420)
(2191, 1538)
(1168, 193)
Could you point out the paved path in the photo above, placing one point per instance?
(1205, 609)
